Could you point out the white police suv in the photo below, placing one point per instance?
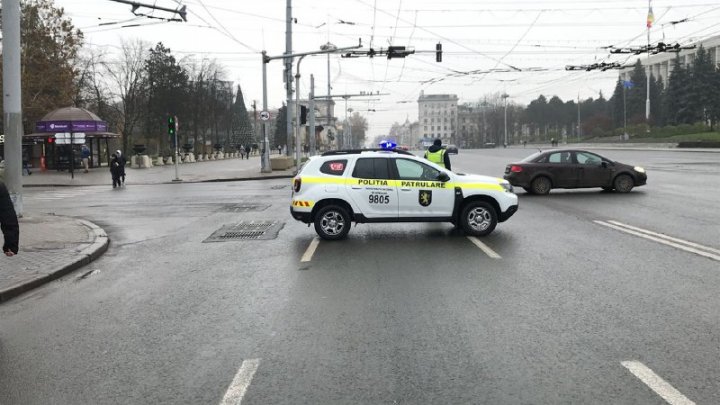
(377, 185)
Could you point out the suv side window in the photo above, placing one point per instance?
(371, 168)
(334, 167)
(411, 170)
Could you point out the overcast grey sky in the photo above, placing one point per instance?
(524, 44)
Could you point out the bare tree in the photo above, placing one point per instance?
(127, 83)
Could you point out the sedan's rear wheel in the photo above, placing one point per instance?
(623, 183)
(478, 218)
(332, 222)
(541, 185)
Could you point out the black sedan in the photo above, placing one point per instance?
(452, 149)
(545, 170)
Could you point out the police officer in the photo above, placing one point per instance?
(438, 155)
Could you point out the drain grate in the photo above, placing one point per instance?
(243, 207)
(255, 230)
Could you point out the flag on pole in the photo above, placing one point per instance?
(650, 17)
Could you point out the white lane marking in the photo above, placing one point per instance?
(657, 384)
(670, 238)
(310, 250)
(485, 248)
(236, 391)
(660, 240)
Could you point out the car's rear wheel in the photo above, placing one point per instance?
(478, 218)
(623, 183)
(332, 222)
(541, 185)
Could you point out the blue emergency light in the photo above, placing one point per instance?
(388, 145)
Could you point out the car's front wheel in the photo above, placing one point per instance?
(623, 183)
(541, 185)
(332, 222)
(478, 218)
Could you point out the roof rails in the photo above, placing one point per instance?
(358, 151)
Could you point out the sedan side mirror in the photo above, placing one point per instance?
(443, 177)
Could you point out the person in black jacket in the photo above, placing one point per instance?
(8, 223)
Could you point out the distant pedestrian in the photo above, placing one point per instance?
(122, 162)
(85, 154)
(524, 143)
(115, 170)
(8, 223)
(26, 163)
(247, 151)
(279, 149)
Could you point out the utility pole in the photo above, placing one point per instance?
(254, 106)
(579, 128)
(647, 99)
(505, 97)
(12, 105)
(288, 75)
(311, 107)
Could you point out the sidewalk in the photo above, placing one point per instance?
(50, 247)
(214, 170)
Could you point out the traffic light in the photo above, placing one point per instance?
(438, 52)
(303, 114)
(171, 125)
(396, 52)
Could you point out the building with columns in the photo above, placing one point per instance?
(661, 64)
(437, 116)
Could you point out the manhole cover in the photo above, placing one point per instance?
(243, 207)
(255, 230)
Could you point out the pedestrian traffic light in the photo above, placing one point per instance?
(303, 114)
(171, 125)
(438, 52)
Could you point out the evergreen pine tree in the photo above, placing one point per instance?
(242, 129)
(617, 105)
(637, 95)
(701, 75)
(676, 94)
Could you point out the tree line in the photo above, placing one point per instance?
(689, 103)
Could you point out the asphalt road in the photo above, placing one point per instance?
(570, 312)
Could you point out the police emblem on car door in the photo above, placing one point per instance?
(425, 197)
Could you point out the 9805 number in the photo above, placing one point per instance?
(379, 199)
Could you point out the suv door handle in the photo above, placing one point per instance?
(357, 188)
(405, 189)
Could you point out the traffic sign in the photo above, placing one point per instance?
(264, 115)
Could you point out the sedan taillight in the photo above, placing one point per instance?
(516, 169)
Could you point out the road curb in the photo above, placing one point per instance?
(96, 248)
(276, 177)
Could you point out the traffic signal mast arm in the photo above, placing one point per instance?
(391, 52)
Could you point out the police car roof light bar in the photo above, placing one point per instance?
(358, 151)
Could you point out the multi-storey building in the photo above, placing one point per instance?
(468, 130)
(437, 116)
(661, 64)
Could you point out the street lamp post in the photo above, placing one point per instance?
(505, 97)
(265, 161)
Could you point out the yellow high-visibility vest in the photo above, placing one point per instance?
(436, 157)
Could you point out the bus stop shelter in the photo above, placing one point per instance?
(56, 142)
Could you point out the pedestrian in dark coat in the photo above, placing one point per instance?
(122, 161)
(115, 170)
(8, 223)
(247, 151)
